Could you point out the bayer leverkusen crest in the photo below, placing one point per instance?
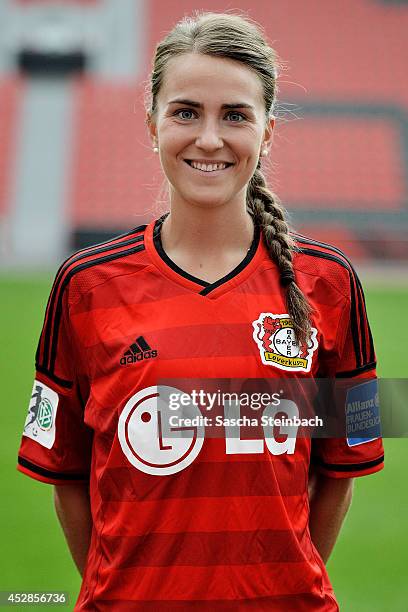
(277, 344)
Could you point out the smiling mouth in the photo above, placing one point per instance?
(208, 167)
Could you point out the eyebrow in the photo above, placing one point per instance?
(199, 105)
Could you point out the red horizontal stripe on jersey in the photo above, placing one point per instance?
(202, 549)
(283, 466)
(215, 514)
(198, 311)
(186, 311)
(202, 479)
(210, 582)
(198, 368)
(209, 367)
(301, 602)
(205, 338)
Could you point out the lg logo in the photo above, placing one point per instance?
(147, 439)
(155, 441)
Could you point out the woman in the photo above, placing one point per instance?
(176, 518)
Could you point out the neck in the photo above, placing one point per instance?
(207, 230)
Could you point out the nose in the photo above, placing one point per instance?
(209, 138)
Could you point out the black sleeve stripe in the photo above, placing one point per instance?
(113, 243)
(353, 310)
(68, 384)
(69, 275)
(351, 373)
(48, 473)
(324, 255)
(55, 291)
(366, 336)
(372, 352)
(102, 248)
(348, 467)
(305, 240)
(107, 244)
(370, 337)
(354, 322)
(363, 325)
(367, 329)
(114, 239)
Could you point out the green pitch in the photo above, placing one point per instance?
(368, 566)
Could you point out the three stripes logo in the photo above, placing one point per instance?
(138, 351)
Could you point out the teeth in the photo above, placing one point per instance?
(208, 167)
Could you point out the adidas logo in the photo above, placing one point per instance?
(138, 351)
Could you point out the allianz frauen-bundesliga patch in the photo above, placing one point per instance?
(363, 413)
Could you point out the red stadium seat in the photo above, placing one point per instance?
(115, 175)
(345, 153)
(365, 63)
(343, 162)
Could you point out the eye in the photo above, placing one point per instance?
(235, 117)
(185, 113)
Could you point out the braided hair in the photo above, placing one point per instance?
(238, 38)
(268, 213)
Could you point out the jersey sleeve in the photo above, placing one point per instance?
(360, 451)
(56, 444)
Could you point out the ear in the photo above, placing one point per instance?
(151, 126)
(268, 133)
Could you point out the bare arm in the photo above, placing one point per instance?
(330, 498)
(73, 510)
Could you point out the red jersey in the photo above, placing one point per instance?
(191, 522)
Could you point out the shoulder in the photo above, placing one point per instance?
(326, 262)
(99, 263)
(78, 274)
(328, 277)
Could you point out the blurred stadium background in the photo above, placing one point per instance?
(76, 167)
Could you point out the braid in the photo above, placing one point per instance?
(269, 215)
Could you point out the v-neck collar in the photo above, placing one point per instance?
(167, 266)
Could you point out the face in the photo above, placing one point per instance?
(210, 127)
